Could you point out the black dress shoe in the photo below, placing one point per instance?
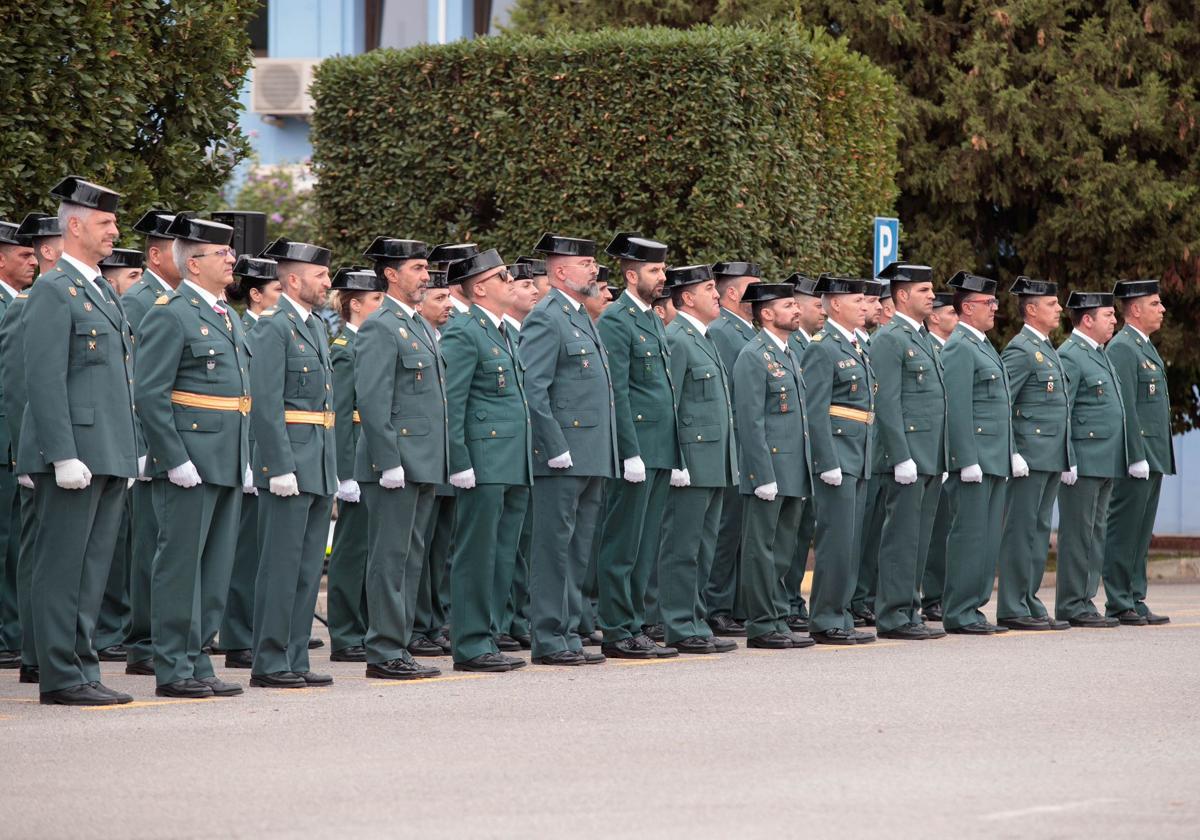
(507, 642)
(315, 680)
(836, 636)
(10, 659)
(489, 663)
(514, 662)
(314, 643)
(354, 653)
(29, 674)
(120, 696)
(628, 648)
(220, 688)
(1152, 618)
(593, 639)
(866, 614)
(524, 640)
(979, 628)
(859, 621)
(1131, 618)
(442, 641)
(591, 657)
(421, 646)
(1024, 622)
(655, 631)
(661, 651)
(1093, 621)
(907, 633)
(997, 628)
(78, 695)
(112, 653)
(280, 679)
(141, 668)
(770, 641)
(208, 650)
(933, 632)
(562, 657)
(239, 659)
(797, 623)
(722, 645)
(401, 669)
(726, 625)
(932, 613)
(695, 644)
(1055, 624)
(184, 689)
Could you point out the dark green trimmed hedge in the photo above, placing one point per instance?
(724, 142)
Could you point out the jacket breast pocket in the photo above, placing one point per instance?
(578, 419)
(1150, 386)
(1046, 385)
(781, 399)
(90, 343)
(704, 381)
(987, 383)
(411, 426)
(418, 368)
(848, 383)
(916, 374)
(699, 434)
(210, 354)
(583, 358)
(645, 360)
(304, 377)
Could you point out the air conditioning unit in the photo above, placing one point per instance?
(281, 86)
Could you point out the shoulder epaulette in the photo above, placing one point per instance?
(267, 313)
(162, 300)
(340, 341)
(22, 295)
(818, 336)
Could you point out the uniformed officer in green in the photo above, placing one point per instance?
(772, 445)
(647, 444)
(193, 397)
(294, 461)
(840, 404)
(981, 447)
(939, 326)
(490, 461)
(79, 443)
(1098, 430)
(1143, 379)
(570, 395)
(732, 331)
(358, 293)
(161, 277)
(399, 383)
(18, 267)
(43, 233)
(812, 320)
(910, 415)
(1042, 452)
(708, 463)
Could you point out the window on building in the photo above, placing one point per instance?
(396, 23)
(258, 31)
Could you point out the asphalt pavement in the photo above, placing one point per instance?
(1083, 733)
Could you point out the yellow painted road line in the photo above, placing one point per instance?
(447, 678)
(628, 663)
(867, 646)
(145, 704)
(17, 700)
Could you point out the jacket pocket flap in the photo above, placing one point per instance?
(203, 349)
(917, 424)
(198, 421)
(304, 364)
(704, 372)
(417, 362)
(987, 375)
(579, 348)
(83, 415)
(411, 426)
(486, 431)
(577, 419)
(701, 434)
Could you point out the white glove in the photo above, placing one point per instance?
(128, 483)
(906, 472)
(25, 481)
(1139, 470)
(285, 485)
(1019, 468)
(73, 474)
(348, 491)
(635, 470)
(392, 479)
(1070, 476)
(945, 476)
(972, 474)
(832, 477)
(185, 475)
(464, 480)
(767, 492)
(142, 467)
(681, 478)
(562, 462)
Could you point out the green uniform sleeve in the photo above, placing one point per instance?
(749, 401)
(1125, 364)
(539, 352)
(818, 396)
(374, 389)
(462, 356)
(156, 366)
(342, 359)
(267, 374)
(616, 334)
(958, 374)
(47, 354)
(887, 362)
(678, 372)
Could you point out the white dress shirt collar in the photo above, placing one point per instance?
(912, 323)
(207, 296)
(456, 303)
(780, 344)
(352, 327)
(974, 331)
(1145, 337)
(299, 307)
(11, 291)
(703, 328)
(512, 322)
(1091, 342)
(733, 314)
(406, 309)
(493, 317)
(849, 336)
(1036, 333)
(637, 301)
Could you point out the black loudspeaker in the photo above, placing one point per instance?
(249, 230)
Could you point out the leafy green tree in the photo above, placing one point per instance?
(543, 16)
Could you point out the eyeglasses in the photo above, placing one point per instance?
(991, 303)
(220, 252)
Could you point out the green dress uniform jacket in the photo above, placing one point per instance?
(10, 525)
(81, 358)
(1143, 381)
(490, 433)
(1098, 436)
(975, 377)
(644, 397)
(399, 383)
(933, 579)
(798, 608)
(290, 372)
(15, 397)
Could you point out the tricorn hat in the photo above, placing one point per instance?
(565, 246)
(75, 190)
(356, 278)
(803, 284)
(687, 275)
(1125, 289)
(1089, 300)
(191, 229)
(39, 225)
(829, 284)
(155, 223)
(123, 258)
(736, 268)
(764, 292)
(965, 281)
(255, 271)
(464, 269)
(284, 250)
(634, 246)
(386, 248)
(899, 272)
(1025, 286)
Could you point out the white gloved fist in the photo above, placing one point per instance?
(128, 483)
(248, 482)
(832, 477)
(185, 475)
(635, 470)
(1070, 476)
(972, 474)
(945, 476)
(25, 481)
(285, 485)
(1019, 468)
(1141, 469)
(681, 478)
(906, 472)
(767, 492)
(464, 480)
(561, 462)
(392, 479)
(72, 474)
(348, 491)
(142, 469)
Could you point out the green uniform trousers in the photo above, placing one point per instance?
(29, 529)
(633, 516)
(190, 578)
(933, 581)
(347, 591)
(720, 595)
(568, 508)
(972, 548)
(487, 528)
(1082, 522)
(839, 512)
(769, 532)
(1025, 544)
(71, 563)
(909, 512)
(689, 541)
(433, 591)
(397, 523)
(292, 533)
(515, 621)
(112, 625)
(799, 565)
(588, 616)
(1131, 515)
(866, 586)
(10, 554)
(237, 625)
(139, 647)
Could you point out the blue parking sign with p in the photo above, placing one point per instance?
(887, 242)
